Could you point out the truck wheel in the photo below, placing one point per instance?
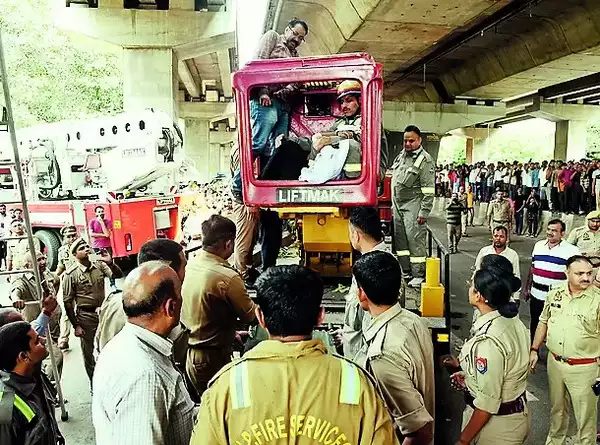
(50, 244)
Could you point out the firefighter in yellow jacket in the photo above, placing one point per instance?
(288, 388)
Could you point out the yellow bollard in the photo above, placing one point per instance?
(432, 292)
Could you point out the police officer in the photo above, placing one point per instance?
(570, 325)
(413, 189)
(288, 388)
(587, 238)
(398, 350)
(493, 365)
(83, 293)
(214, 298)
(500, 213)
(65, 260)
(24, 290)
(26, 413)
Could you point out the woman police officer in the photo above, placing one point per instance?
(492, 367)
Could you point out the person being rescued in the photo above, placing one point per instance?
(335, 154)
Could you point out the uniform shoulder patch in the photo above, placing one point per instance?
(71, 268)
(481, 365)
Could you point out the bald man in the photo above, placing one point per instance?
(112, 318)
(144, 402)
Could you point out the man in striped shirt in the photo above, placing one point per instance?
(548, 268)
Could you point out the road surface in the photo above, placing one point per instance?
(79, 431)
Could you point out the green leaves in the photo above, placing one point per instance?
(52, 77)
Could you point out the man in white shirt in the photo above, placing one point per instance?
(596, 186)
(139, 397)
(548, 269)
(365, 236)
(474, 179)
(500, 247)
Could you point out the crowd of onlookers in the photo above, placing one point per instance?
(570, 187)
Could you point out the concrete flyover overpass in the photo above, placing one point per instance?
(178, 56)
(452, 64)
(462, 63)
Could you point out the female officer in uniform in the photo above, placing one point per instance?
(493, 363)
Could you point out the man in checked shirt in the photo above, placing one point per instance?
(269, 114)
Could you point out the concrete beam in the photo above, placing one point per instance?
(222, 137)
(437, 118)
(225, 71)
(206, 110)
(199, 48)
(187, 79)
(138, 28)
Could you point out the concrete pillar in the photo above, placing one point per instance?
(469, 149)
(196, 144)
(570, 140)
(150, 79)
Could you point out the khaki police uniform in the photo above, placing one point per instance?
(495, 361)
(573, 341)
(500, 213)
(65, 259)
(292, 393)
(399, 354)
(16, 250)
(24, 288)
(587, 240)
(83, 293)
(214, 297)
(413, 189)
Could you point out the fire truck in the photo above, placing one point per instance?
(131, 164)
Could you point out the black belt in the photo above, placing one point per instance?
(87, 309)
(497, 221)
(201, 347)
(506, 408)
(539, 286)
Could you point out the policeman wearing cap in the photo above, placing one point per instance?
(65, 259)
(348, 126)
(587, 238)
(83, 293)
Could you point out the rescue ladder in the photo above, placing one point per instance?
(7, 124)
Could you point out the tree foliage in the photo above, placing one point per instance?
(51, 78)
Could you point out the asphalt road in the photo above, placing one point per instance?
(78, 429)
(537, 386)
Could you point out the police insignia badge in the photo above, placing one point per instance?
(481, 364)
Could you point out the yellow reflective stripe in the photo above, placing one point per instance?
(403, 252)
(350, 388)
(443, 338)
(239, 386)
(417, 259)
(428, 190)
(24, 408)
(352, 167)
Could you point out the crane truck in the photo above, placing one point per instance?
(321, 211)
(132, 164)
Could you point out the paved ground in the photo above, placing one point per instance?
(78, 429)
(460, 265)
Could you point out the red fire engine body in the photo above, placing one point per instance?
(130, 164)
